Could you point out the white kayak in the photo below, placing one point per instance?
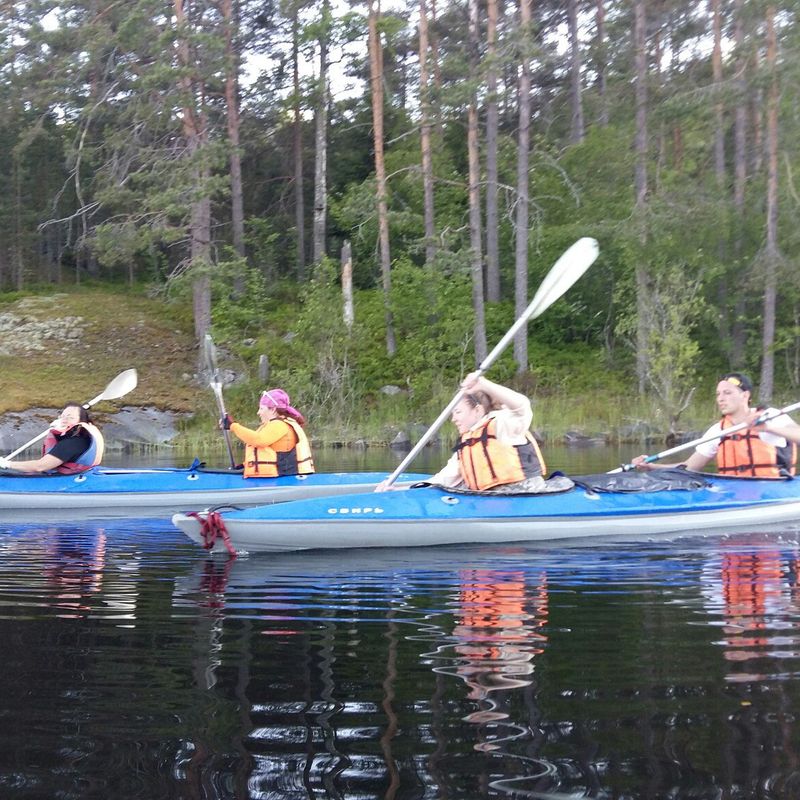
(638, 503)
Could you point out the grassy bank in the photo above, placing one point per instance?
(69, 344)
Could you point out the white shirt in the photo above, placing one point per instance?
(709, 449)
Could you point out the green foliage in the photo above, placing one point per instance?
(234, 315)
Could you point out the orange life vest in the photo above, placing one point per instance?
(91, 457)
(745, 453)
(266, 462)
(485, 462)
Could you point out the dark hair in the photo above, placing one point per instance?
(83, 415)
(480, 399)
(738, 379)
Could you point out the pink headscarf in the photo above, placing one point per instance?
(279, 400)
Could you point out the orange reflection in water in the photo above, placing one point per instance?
(753, 588)
(497, 635)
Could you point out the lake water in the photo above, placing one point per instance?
(137, 667)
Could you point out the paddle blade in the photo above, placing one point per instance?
(563, 274)
(210, 355)
(124, 382)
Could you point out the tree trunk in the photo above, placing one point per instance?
(492, 249)
(425, 138)
(321, 142)
(195, 131)
(435, 66)
(640, 187)
(577, 128)
(297, 150)
(376, 84)
(719, 109)
(738, 331)
(601, 58)
(347, 285)
(232, 112)
(522, 215)
(476, 255)
(771, 253)
(724, 291)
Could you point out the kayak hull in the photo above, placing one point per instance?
(109, 489)
(430, 516)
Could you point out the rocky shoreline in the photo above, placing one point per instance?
(128, 429)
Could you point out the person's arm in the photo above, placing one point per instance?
(695, 462)
(449, 475)
(519, 416)
(44, 464)
(265, 436)
(501, 395)
(781, 425)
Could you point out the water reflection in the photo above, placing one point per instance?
(752, 594)
(495, 635)
(138, 667)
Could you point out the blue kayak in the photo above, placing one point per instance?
(125, 490)
(433, 516)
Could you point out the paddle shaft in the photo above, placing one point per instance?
(121, 385)
(572, 264)
(688, 445)
(216, 387)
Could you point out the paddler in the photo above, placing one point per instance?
(73, 444)
(764, 450)
(279, 446)
(496, 451)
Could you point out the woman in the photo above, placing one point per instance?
(279, 446)
(496, 451)
(73, 444)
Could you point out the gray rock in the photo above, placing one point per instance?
(401, 441)
(418, 429)
(391, 390)
(133, 425)
(578, 439)
(128, 428)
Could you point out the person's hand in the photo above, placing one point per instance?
(641, 462)
(226, 422)
(755, 420)
(4, 463)
(470, 382)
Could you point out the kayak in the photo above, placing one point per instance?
(172, 488)
(663, 501)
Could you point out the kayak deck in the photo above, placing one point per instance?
(173, 488)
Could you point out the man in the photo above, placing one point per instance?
(764, 450)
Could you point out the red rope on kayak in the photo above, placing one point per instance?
(212, 527)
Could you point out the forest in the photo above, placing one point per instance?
(371, 194)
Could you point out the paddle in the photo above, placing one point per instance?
(765, 417)
(124, 382)
(572, 264)
(216, 386)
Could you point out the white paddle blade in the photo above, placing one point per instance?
(124, 382)
(563, 274)
(210, 354)
(572, 264)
